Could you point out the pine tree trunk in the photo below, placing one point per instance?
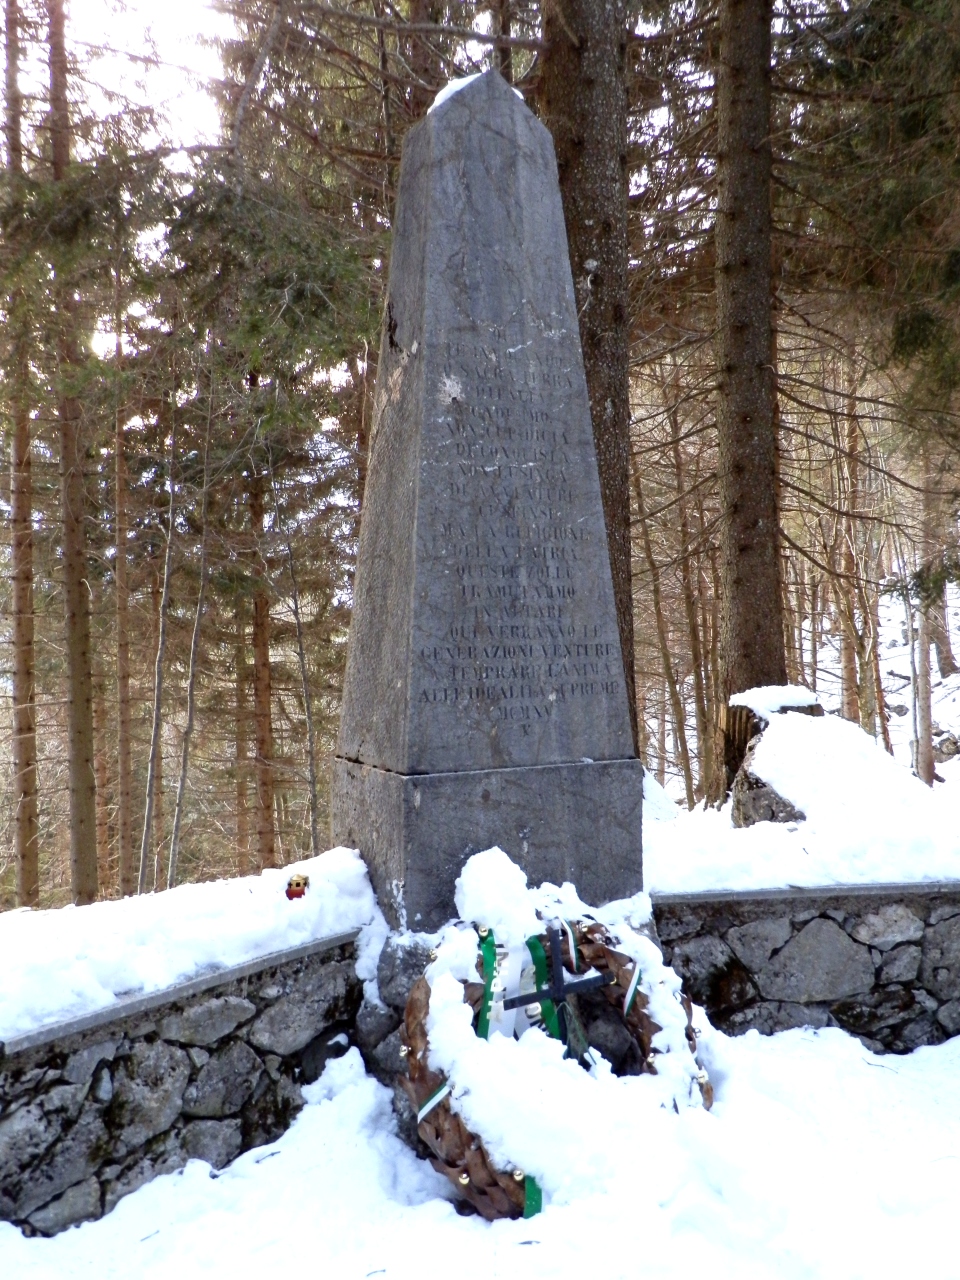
(243, 720)
(940, 633)
(127, 870)
(752, 640)
(583, 102)
(924, 762)
(101, 774)
(262, 695)
(83, 817)
(26, 830)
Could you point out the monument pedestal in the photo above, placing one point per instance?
(578, 822)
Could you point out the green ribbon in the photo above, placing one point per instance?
(532, 1197)
(541, 971)
(488, 952)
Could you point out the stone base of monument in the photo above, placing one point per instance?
(560, 822)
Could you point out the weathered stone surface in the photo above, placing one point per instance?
(946, 911)
(71, 1160)
(484, 690)
(374, 1023)
(388, 1061)
(402, 961)
(769, 1016)
(80, 1203)
(756, 801)
(900, 965)
(80, 1066)
(948, 1016)
(216, 1141)
(872, 1011)
(892, 924)
(225, 1083)
(940, 967)
(148, 1090)
(711, 974)
(820, 964)
(925, 1030)
(208, 1021)
(164, 1154)
(316, 1000)
(755, 943)
(24, 1135)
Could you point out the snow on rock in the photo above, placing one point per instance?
(454, 86)
(69, 962)
(767, 700)
(868, 820)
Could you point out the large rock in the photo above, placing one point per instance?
(900, 965)
(24, 1135)
(712, 975)
(148, 1091)
(892, 924)
(70, 1161)
(225, 1083)
(821, 964)
(208, 1021)
(215, 1141)
(755, 943)
(317, 999)
(940, 967)
(81, 1065)
(80, 1203)
(754, 800)
(402, 961)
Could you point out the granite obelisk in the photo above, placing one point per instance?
(484, 700)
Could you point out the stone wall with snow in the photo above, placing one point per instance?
(880, 961)
(93, 1109)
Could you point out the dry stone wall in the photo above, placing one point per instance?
(882, 962)
(91, 1110)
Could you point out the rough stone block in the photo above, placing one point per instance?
(316, 1000)
(82, 1064)
(80, 1203)
(208, 1021)
(712, 975)
(147, 1091)
(374, 1023)
(70, 1161)
(225, 1083)
(821, 964)
(940, 966)
(755, 943)
(901, 965)
(949, 1017)
(892, 924)
(215, 1141)
(402, 961)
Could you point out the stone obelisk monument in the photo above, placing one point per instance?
(484, 700)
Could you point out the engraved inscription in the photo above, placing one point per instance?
(510, 547)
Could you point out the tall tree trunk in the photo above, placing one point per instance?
(127, 870)
(422, 58)
(26, 828)
(83, 817)
(752, 643)
(155, 759)
(924, 761)
(304, 681)
(940, 633)
(192, 668)
(101, 773)
(243, 726)
(583, 102)
(262, 693)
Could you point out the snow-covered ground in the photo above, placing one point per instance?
(818, 1160)
(868, 820)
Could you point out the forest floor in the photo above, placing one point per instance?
(818, 1159)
